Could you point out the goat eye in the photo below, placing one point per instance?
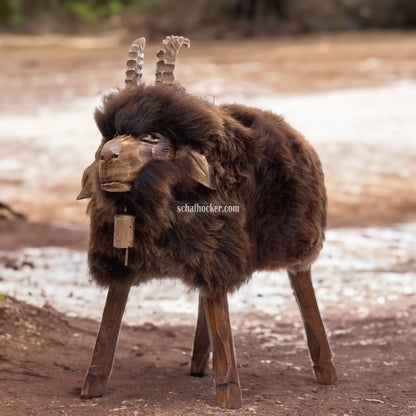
(150, 139)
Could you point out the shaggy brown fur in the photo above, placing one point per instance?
(259, 163)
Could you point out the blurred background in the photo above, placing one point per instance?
(204, 18)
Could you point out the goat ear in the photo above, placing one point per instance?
(88, 181)
(201, 171)
(89, 177)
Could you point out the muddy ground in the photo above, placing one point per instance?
(44, 354)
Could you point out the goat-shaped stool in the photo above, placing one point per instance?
(162, 147)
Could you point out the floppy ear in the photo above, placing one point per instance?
(89, 177)
(88, 181)
(201, 171)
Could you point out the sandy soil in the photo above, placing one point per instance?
(44, 354)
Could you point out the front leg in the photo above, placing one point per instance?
(224, 366)
(105, 347)
(315, 331)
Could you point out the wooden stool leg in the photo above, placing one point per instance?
(105, 347)
(226, 379)
(315, 331)
(202, 344)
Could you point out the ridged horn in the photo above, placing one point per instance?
(167, 56)
(135, 63)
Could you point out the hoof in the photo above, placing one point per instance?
(199, 365)
(93, 387)
(229, 395)
(325, 373)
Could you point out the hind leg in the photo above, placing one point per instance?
(315, 331)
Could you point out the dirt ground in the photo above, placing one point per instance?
(44, 354)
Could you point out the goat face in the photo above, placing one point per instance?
(122, 158)
(119, 161)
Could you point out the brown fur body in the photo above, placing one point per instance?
(259, 163)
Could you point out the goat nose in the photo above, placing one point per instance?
(110, 151)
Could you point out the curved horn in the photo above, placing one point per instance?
(135, 63)
(167, 56)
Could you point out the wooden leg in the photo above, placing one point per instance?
(202, 344)
(315, 332)
(226, 379)
(105, 347)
